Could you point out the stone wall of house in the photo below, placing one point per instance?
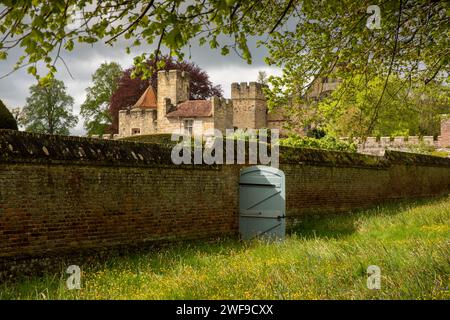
(67, 194)
(137, 121)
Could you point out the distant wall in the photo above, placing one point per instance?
(377, 146)
(65, 194)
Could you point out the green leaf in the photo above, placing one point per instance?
(225, 50)
(32, 70)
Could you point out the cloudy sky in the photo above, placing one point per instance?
(85, 59)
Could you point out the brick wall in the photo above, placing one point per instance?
(444, 138)
(62, 207)
(65, 194)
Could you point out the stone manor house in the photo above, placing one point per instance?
(169, 110)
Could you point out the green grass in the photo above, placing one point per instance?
(325, 258)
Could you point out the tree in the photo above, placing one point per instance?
(95, 109)
(131, 88)
(18, 114)
(7, 120)
(407, 110)
(337, 40)
(48, 109)
(309, 39)
(262, 77)
(307, 34)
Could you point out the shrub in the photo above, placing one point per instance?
(327, 142)
(442, 154)
(7, 120)
(161, 138)
(421, 148)
(156, 138)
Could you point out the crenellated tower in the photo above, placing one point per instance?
(249, 105)
(173, 88)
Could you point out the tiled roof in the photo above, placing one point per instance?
(147, 100)
(192, 108)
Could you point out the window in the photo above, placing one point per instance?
(135, 131)
(188, 124)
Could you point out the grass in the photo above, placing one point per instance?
(325, 258)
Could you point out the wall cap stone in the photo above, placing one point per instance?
(17, 146)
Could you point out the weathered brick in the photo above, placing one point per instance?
(60, 202)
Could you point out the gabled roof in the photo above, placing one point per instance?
(192, 108)
(147, 100)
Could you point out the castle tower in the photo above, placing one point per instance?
(249, 105)
(173, 85)
(322, 87)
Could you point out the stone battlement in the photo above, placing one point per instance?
(249, 105)
(223, 102)
(392, 141)
(244, 90)
(377, 146)
(174, 73)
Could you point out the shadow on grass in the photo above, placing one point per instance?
(332, 226)
(159, 258)
(345, 224)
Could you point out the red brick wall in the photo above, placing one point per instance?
(65, 194)
(60, 208)
(444, 139)
(323, 189)
(312, 189)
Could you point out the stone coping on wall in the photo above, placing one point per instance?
(17, 146)
(407, 158)
(291, 155)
